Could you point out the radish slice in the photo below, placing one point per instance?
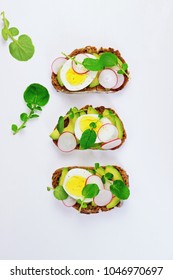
(67, 142)
(107, 132)
(120, 81)
(57, 64)
(108, 78)
(69, 201)
(79, 68)
(94, 179)
(103, 198)
(111, 144)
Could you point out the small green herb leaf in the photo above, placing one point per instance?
(124, 66)
(34, 116)
(83, 204)
(93, 125)
(49, 189)
(88, 139)
(36, 94)
(4, 34)
(103, 179)
(14, 127)
(119, 189)
(100, 116)
(120, 72)
(108, 59)
(14, 31)
(90, 190)
(38, 108)
(23, 117)
(97, 165)
(60, 193)
(109, 176)
(60, 125)
(92, 64)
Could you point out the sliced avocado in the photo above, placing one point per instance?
(95, 82)
(62, 177)
(115, 200)
(100, 171)
(91, 110)
(114, 171)
(55, 134)
(82, 113)
(116, 121)
(71, 125)
(59, 78)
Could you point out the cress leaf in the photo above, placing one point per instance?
(60, 125)
(23, 117)
(103, 179)
(92, 64)
(83, 204)
(93, 125)
(60, 193)
(34, 116)
(22, 49)
(97, 165)
(14, 31)
(120, 72)
(36, 94)
(14, 127)
(119, 189)
(124, 66)
(88, 139)
(90, 190)
(4, 34)
(109, 176)
(108, 59)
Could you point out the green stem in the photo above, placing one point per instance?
(23, 124)
(81, 204)
(72, 58)
(6, 27)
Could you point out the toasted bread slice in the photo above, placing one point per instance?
(97, 88)
(92, 208)
(71, 125)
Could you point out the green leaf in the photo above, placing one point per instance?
(88, 139)
(4, 34)
(90, 190)
(103, 179)
(100, 116)
(36, 94)
(124, 66)
(14, 31)
(29, 106)
(83, 204)
(23, 117)
(109, 176)
(97, 165)
(38, 108)
(60, 193)
(60, 125)
(108, 59)
(92, 64)
(120, 72)
(22, 49)
(34, 116)
(49, 189)
(119, 189)
(93, 125)
(14, 127)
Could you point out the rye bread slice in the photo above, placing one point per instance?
(99, 88)
(100, 111)
(90, 209)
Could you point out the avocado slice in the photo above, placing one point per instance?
(71, 125)
(95, 82)
(116, 121)
(100, 171)
(55, 134)
(58, 77)
(114, 171)
(91, 110)
(62, 177)
(115, 200)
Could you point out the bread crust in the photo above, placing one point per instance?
(90, 209)
(100, 110)
(99, 88)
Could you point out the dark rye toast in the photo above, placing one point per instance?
(100, 110)
(91, 209)
(98, 88)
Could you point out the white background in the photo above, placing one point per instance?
(33, 225)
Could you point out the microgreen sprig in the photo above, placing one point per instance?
(21, 48)
(89, 191)
(36, 96)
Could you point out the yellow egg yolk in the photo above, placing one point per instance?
(75, 185)
(74, 78)
(85, 123)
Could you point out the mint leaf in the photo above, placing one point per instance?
(108, 59)
(92, 64)
(90, 190)
(59, 193)
(60, 125)
(88, 139)
(119, 189)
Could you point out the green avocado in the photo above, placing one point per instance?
(55, 134)
(100, 171)
(95, 82)
(58, 77)
(71, 125)
(62, 177)
(116, 121)
(91, 110)
(115, 200)
(114, 171)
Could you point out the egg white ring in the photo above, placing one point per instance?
(78, 132)
(90, 76)
(76, 172)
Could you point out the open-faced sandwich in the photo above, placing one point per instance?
(97, 128)
(90, 189)
(90, 70)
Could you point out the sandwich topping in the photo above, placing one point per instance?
(91, 187)
(83, 70)
(88, 129)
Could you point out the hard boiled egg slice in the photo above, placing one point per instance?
(83, 123)
(74, 81)
(75, 181)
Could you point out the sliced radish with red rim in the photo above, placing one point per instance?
(94, 179)
(79, 68)
(107, 132)
(69, 201)
(66, 142)
(57, 64)
(108, 78)
(120, 81)
(103, 198)
(111, 144)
